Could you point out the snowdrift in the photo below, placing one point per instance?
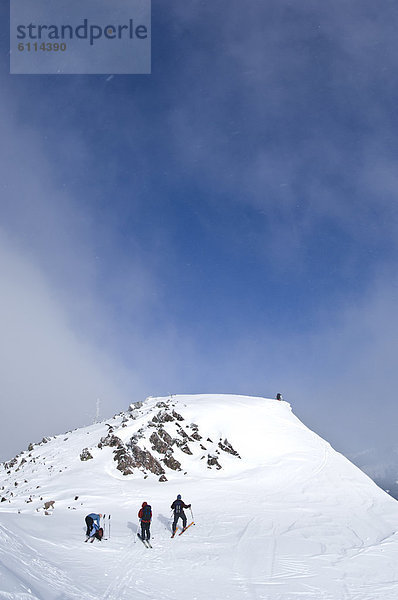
(279, 515)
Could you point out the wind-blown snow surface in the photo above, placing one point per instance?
(291, 519)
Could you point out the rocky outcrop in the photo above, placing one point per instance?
(159, 438)
(213, 462)
(185, 448)
(135, 406)
(183, 433)
(137, 436)
(177, 416)
(158, 444)
(110, 440)
(163, 417)
(227, 447)
(86, 454)
(125, 462)
(162, 433)
(10, 464)
(172, 463)
(162, 405)
(143, 459)
(195, 432)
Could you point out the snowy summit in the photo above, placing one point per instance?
(277, 513)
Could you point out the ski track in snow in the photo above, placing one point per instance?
(127, 580)
(273, 568)
(31, 569)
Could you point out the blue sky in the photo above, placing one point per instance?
(228, 223)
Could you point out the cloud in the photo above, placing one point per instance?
(58, 348)
(81, 308)
(341, 375)
(295, 113)
(50, 376)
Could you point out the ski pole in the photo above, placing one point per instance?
(191, 514)
(171, 521)
(109, 526)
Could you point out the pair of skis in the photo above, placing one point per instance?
(146, 543)
(185, 528)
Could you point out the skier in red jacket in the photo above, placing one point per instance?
(145, 516)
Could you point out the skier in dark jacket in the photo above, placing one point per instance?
(93, 524)
(145, 516)
(178, 506)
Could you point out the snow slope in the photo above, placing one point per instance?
(287, 519)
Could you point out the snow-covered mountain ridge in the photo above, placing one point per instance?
(278, 513)
(165, 438)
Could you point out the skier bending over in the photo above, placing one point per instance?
(145, 516)
(93, 524)
(178, 506)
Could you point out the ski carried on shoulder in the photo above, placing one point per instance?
(185, 528)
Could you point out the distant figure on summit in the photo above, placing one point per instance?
(178, 508)
(279, 397)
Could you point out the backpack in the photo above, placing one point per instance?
(99, 534)
(146, 513)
